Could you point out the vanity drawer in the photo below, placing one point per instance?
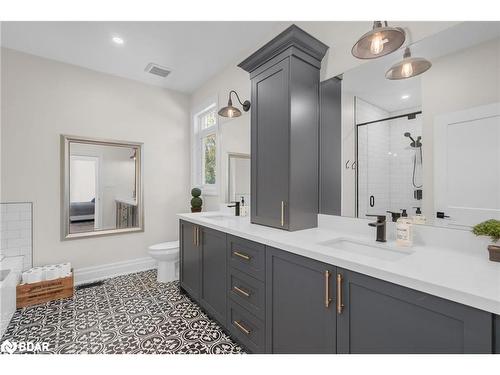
(247, 291)
(246, 327)
(247, 256)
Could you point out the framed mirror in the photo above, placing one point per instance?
(429, 144)
(238, 177)
(101, 188)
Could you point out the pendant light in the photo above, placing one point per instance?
(230, 111)
(408, 67)
(379, 41)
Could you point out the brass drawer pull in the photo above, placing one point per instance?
(241, 255)
(241, 291)
(340, 304)
(241, 327)
(327, 289)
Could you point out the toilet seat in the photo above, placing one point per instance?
(170, 245)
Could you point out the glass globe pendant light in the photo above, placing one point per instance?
(379, 41)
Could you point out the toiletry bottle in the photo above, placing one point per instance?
(243, 207)
(404, 230)
(419, 217)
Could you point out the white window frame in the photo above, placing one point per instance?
(197, 152)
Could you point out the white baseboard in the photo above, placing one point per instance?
(96, 273)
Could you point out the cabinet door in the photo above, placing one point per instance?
(270, 146)
(300, 308)
(213, 273)
(330, 150)
(380, 317)
(189, 259)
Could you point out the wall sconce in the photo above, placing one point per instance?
(231, 111)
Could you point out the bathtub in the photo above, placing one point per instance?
(10, 274)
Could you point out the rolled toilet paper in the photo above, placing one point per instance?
(52, 273)
(36, 275)
(65, 269)
(26, 278)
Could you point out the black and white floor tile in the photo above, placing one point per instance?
(127, 314)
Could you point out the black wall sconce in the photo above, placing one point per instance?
(231, 111)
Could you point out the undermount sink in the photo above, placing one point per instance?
(374, 250)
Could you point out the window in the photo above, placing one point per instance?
(205, 150)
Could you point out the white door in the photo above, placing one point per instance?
(84, 183)
(467, 164)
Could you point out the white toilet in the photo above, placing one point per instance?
(167, 256)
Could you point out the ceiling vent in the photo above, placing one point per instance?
(157, 70)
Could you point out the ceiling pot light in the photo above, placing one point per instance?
(118, 40)
(408, 67)
(404, 97)
(230, 111)
(380, 41)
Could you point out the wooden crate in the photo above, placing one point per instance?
(44, 291)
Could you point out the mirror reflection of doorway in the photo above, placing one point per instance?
(84, 194)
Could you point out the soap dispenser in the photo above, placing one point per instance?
(243, 207)
(404, 235)
(419, 217)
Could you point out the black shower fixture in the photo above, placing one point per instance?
(414, 143)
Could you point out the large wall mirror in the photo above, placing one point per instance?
(238, 177)
(431, 142)
(101, 187)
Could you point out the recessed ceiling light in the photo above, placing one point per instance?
(404, 97)
(118, 40)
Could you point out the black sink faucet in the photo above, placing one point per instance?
(236, 206)
(380, 225)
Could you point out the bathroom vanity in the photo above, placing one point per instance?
(331, 289)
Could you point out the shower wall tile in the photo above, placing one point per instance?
(401, 166)
(373, 146)
(16, 231)
(385, 161)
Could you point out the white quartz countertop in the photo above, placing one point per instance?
(468, 278)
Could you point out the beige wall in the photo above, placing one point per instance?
(462, 80)
(42, 99)
(234, 133)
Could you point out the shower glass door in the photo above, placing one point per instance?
(390, 165)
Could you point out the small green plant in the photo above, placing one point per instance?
(196, 201)
(489, 228)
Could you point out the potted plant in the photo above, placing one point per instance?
(196, 201)
(490, 228)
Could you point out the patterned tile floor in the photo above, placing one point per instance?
(127, 314)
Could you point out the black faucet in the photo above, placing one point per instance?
(380, 225)
(236, 206)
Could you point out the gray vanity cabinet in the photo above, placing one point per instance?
(284, 130)
(189, 265)
(300, 305)
(496, 334)
(273, 301)
(213, 273)
(381, 317)
(203, 267)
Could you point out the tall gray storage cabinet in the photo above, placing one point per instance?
(285, 130)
